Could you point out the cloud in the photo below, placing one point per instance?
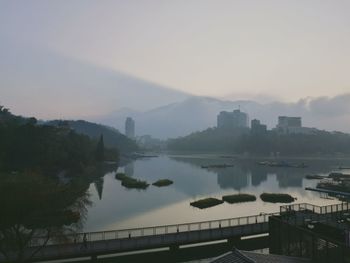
(330, 106)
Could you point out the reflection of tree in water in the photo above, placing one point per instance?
(99, 186)
(36, 206)
(129, 169)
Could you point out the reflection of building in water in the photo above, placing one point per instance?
(129, 169)
(233, 177)
(290, 177)
(99, 186)
(259, 174)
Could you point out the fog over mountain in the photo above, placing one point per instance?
(198, 113)
(46, 84)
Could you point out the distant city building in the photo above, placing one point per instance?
(150, 143)
(287, 122)
(231, 120)
(130, 128)
(257, 128)
(290, 125)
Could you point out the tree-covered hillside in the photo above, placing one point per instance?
(214, 139)
(26, 145)
(112, 137)
(211, 139)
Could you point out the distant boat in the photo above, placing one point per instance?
(282, 164)
(217, 166)
(142, 155)
(314, 176)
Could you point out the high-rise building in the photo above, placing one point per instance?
(130, 128)
(231, 120)
(257, 128)
(287, 122)
(290, 125)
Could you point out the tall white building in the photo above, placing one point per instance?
(130, 128)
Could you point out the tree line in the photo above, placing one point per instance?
(26, 145)
(243, 141)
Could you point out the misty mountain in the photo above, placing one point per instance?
(199, 113)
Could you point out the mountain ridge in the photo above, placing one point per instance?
(198, 113)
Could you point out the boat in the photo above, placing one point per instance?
(314, 176)
(217, 166)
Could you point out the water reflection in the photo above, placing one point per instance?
(99, 186)
(234, 178)
(237, 177)
(129, 169)
(124, 208)
(258, 175)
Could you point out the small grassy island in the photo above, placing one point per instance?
(206, 202)
(238, 198)
(277, 198)
(130, 182)
(163, 182)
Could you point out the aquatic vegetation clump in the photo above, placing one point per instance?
(239, 198)
(130, 182)
(163, 182)
(277, 198)
(206, 202)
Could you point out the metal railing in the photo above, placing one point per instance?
(337, 215)
(155, 230)
(186, 227)
(328, 209)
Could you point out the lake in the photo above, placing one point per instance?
(116, 207)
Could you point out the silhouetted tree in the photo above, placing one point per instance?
(100, 150)
(34, 206)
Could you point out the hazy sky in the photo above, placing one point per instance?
(228, 49)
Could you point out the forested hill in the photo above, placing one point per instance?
(209, 140)
(112, 137)
(26, 145)
(217, 140)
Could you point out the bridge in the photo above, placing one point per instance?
(169, 236)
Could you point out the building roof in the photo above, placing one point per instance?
(237, 256)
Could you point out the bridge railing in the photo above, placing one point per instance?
(155, 230)
(328, 209)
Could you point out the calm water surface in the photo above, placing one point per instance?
(115, 207)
